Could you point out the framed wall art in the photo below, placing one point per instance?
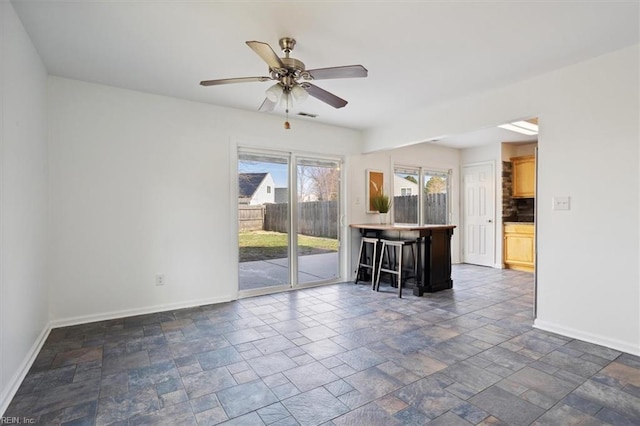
(374, 186)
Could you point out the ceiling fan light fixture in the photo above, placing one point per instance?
(274, 92)
(299, 94)
(286, 100)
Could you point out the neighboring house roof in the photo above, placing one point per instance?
(248, 183)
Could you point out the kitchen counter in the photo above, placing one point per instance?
(433, 251)
(401, 227)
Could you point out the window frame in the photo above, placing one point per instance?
(422, 172)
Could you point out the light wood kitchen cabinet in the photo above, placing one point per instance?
(519, 246)
(524, 176)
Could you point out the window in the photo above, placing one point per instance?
(435, 203)
(268, 189)
(429, 205)
(405, 199)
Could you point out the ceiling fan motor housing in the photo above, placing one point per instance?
(292, 71)
(287, 44)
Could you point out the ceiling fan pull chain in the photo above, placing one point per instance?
(287, 125)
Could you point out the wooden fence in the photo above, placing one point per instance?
(315, 218)
(405, 209)
(250, 218)
(276, 217)
(319, 218)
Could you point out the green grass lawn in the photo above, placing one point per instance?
(264, 245)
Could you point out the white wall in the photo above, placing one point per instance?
(588, 275)
(23, 203)
(481, 154)
(422, 155)
(519, 150)
(589, 284)
(143, 184)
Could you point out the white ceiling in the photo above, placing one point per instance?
(483, 137)
(418, 53)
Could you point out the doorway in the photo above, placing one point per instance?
(288, 221)
(479, 214)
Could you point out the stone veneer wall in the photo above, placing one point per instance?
(525, 209)
(509, 211)
(514, 209)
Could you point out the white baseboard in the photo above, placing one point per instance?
(14, 384)
(588, 337)
(84, 319)
(16, 380)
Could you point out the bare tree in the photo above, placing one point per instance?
(304, 184)
(324, 182)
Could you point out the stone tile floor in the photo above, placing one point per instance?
(334, 355)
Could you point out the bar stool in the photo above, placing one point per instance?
(393, 249)
(362, 263)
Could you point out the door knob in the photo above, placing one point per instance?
(490, 221)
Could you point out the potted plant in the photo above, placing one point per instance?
(382, 203)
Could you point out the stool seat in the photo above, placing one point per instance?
(393, 250)
(363, 264)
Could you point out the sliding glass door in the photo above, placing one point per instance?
(263, 221)
(277, 194)
(318, 184)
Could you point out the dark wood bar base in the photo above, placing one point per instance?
(436, 258)
(434, 252)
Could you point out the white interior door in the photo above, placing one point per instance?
(479, 214)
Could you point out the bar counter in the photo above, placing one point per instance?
(434, 251)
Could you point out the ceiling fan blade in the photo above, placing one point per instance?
(323, 95)
(349, 71)
(267, 105)
(266, 53)
(232, 80)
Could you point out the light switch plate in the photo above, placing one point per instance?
(561, 203)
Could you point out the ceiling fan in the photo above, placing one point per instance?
(291, 77)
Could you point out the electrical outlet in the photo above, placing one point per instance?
(160, 279)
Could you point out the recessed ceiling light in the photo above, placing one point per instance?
(526, 125)
(523, 127)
